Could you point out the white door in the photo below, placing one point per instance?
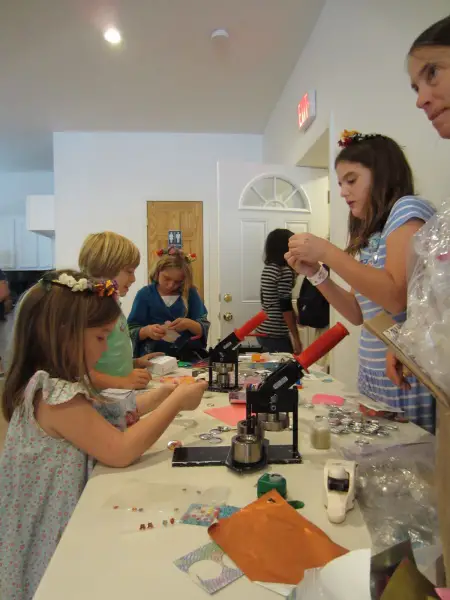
(253, 200)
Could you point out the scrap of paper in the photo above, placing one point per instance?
(171, 336)
(345, 578)
(200, 514)
(226, 511)
(205, 514)
(444, 593)
(230, 415)
(328, 399)
(209, 552)
(408, 583)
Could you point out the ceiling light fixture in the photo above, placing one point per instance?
(220, 33)
(112, 36)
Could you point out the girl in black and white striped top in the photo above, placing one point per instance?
(277, 281)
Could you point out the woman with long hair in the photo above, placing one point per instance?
(429, 71)
(279, 332)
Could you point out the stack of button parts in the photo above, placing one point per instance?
(344, 421)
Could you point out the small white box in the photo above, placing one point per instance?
(162, 365)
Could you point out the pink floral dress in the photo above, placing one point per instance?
(41, 481)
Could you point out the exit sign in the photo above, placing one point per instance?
(306, 110)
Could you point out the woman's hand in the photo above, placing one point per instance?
(308, 248)
(154, 332)
(301, 267)
(396, 372)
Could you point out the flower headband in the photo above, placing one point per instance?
(101, 288)
(172, 251)
(351, 137)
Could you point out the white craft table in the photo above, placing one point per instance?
(96, 560)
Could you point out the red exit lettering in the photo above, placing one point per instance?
(303, 111)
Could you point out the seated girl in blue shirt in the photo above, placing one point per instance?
(170, 304)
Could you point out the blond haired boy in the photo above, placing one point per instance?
(108, 255)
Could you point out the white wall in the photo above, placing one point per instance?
(15, 187)
(355, 60)
(104, 180)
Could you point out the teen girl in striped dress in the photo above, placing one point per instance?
(377, 184)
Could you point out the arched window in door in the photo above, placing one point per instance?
(270, 192)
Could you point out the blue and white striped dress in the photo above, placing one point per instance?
(417, 403)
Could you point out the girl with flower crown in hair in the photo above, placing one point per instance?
(60, 333)
(377, 185)
(170, 307)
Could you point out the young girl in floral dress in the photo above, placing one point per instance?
(60, 334)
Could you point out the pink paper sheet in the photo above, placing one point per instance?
(327, 399)
(444, 593)
(230, 415)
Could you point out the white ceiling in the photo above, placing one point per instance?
(58, 74)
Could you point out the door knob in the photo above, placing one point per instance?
(228, 317)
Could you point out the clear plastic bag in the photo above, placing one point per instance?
(425, 336)
(396, 495)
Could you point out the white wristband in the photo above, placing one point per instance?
(319, 277)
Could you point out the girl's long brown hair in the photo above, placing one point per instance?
(392, 179)
(176, 261)
(49, 335)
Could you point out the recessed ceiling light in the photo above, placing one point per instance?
(220, 33)
(112, 36)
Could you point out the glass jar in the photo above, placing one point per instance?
(320, 434)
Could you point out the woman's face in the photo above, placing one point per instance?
(355, 182)
(170, 281)
(429, 70)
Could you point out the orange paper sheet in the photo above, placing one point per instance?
(230, 415)
(270, 542)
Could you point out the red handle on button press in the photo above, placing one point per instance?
(250, 326)
(322, 346)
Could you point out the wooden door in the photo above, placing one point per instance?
(186, 217)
